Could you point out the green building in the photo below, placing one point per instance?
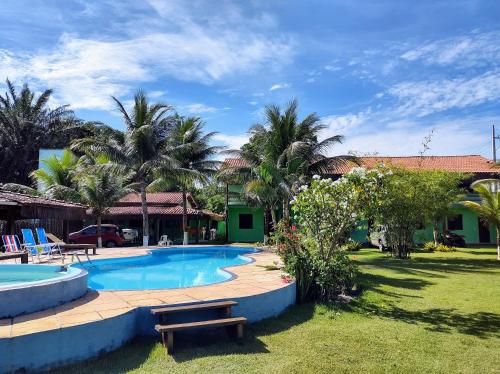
(246, 223)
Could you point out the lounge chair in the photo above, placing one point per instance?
(34, 248)
(69, 247)
(13, 249)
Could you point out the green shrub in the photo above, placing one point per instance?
(445, 248)
(316, 277)
(429, 246)
(351, 246)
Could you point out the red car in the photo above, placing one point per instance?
(112, 236)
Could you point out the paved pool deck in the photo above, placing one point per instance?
(251, 280)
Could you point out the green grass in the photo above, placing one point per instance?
(438, 312)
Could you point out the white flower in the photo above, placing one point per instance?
(316, 176)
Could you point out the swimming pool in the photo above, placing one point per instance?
(29, 288)
(166, 268)
(11, 275)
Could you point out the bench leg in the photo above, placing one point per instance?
(170, 342)
(239, 329)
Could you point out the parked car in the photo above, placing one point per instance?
(130, 235)
(112, 236)
(451, 239)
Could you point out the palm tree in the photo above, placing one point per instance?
(28, 124)
(291, 150)
(263, 190)
(100, 191)
(190, 147)
(489, 208)
(57, 178)
(140, 149)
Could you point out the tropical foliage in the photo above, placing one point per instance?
(138, 151)
(489, 207)
(283, 154)
(192, 155)
(407, 200)
(27, 123)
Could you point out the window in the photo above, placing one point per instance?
(455, 222)
(246, 221)
(91, 230)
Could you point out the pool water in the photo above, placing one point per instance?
(166, 268)
(17, 274)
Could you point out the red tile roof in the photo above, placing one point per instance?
(158, 198)
(460, 164)
(152, 210)
(235, 163)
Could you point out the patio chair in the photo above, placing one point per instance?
(43, 240)
(73, 249)
(13, 248)
(164, 240)
(33, 248)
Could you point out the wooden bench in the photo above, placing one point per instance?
(167, 330)
(10, 255)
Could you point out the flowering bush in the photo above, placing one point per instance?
(316, 278)
(328, 210)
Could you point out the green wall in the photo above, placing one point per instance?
(256, 234)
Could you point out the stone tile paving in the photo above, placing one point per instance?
(251, 279)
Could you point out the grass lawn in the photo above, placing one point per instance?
(438, 312)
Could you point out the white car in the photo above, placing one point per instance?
(130, 235)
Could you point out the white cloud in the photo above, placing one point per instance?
(279, 86)
(474, 49)
(343, 124)
(423, 98)
(198, 108)
(455, 137)
(332, 68)
(85, 72)
(232, 141)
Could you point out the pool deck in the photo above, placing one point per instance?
(251, 280)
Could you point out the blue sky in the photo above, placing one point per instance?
(383, 73)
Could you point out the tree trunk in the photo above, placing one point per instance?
(227, 212)
(273, 218)
(286, 210)
(99, 232)
(266, 225)
(185, 240)
(145, 219)
(498, 243)
(435, 233)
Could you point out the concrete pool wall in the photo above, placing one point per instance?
(31, 297)
(56, 347)
(102, 321)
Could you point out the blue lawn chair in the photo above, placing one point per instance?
(33, 248)
(43, 240)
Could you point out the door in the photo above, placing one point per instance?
(484, 231)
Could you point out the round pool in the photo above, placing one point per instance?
(166, 268)
(29, 288)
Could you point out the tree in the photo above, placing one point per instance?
(489, 207)
(101, 190)
(291, 149)
(442, 191)
(28, 124)
(264, 190)
(401, 209)
(141, 149)
(189, 147)
(57, 178)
